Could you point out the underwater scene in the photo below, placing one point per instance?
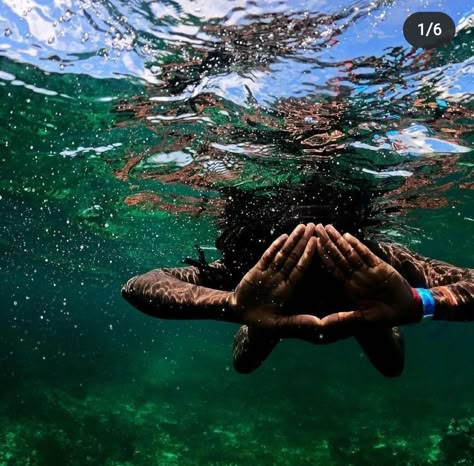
(125, 126)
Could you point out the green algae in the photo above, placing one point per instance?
(57, 428)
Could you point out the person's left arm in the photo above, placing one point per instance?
(381, 293)
(452, 287)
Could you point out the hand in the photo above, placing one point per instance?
(380, 294)
(264, 290)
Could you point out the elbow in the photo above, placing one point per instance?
(137, 292)
(128, 292)
(133, 292)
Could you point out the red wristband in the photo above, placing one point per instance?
(417, 303)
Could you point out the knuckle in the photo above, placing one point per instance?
(294, 256)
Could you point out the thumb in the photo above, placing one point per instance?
(341, 325)
(298, 326)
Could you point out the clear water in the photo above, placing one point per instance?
(120, 123)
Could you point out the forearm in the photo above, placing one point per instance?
(454, 302)
(159, 294)
(451, 287)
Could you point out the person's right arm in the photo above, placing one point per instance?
(177, 293)
(257, 301)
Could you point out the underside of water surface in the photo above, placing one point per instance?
(124, 125)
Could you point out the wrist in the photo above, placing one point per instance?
(423, 303)
(232, 310)
(417, 306)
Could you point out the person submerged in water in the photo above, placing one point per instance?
(311, 283)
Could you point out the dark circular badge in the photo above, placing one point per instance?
(428, 30)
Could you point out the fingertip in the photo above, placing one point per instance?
(352, 240)
(280, 241)
(299, 230)
(320, 229)
(332, 230)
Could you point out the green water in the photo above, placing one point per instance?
(87, 380)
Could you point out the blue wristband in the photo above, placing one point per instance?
(428, 302)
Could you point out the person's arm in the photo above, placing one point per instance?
(178, 293)
(257, 301)
(451, 287)
(381, 295)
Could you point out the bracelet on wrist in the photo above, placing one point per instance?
(423, 298)
(417, 305)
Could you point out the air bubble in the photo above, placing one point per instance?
(66, 16)
(8, 32)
